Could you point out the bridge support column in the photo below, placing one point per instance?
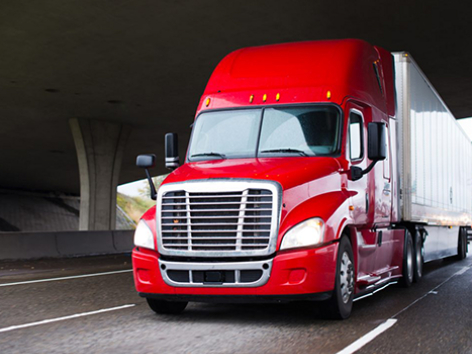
(100, 146)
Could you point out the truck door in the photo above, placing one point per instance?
(361, 200)
(383, 212)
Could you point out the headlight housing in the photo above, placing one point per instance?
(307, 233)
(143, 236)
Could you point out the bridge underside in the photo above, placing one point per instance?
(144, 65)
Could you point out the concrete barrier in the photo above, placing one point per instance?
(84, 243)
(32, 245)
(27, 245)
(123, 240)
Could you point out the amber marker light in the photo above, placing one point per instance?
(351, 207)
(277, 97)
(251, 98)
(264, 98)
(207, 102)
(328, 95)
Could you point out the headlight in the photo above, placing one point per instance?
(143, 236)
(307, 233)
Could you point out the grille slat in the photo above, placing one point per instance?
(217, 221)
(214, 231)
(215, 238)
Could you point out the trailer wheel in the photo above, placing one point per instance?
(340, 304)
(408, 261)
(166, 307)
(462, 244)
(419, 256)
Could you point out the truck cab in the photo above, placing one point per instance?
(288, 190)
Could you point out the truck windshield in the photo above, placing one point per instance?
(266, 132)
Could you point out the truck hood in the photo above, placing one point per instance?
(288, 171)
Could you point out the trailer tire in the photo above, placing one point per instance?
(408, 268)
(340, 305)
(166, 307)
(462, 244)
(419, 256)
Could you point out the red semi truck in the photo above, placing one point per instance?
(321, 170)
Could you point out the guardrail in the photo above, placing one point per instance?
(31, 245)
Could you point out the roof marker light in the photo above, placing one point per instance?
(328, 95)
(251, 98)
(207, 102)
(277, 97)
(264, 98)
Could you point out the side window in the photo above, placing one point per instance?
(356, 143)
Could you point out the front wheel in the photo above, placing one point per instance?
(340, 304)
(166, 307)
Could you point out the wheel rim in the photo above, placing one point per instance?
(409, 262)
(346, 277)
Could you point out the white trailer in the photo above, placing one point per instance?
(435, 162)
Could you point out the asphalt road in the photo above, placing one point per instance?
(89, 315)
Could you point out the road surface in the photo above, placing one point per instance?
(89, 305)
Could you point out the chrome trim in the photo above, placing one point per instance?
(236, 266)
(220, 186)
(375, 291)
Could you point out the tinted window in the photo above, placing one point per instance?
(231, 134)
(284, 131)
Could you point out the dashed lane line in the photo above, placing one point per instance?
(358, 344)
(58, 319)
(355, 346)
(67, 278)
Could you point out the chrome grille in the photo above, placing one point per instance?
(200, 220)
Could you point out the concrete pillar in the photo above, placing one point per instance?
(100, 146)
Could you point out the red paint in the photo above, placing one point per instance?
(312, 186)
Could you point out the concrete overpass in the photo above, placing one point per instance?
(104, 80)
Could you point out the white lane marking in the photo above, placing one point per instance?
(433, 290)
(358, 344)
(462, 271)
(38, 323)
(391, 321)
(66, 278)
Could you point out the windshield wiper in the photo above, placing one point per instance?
(300, 152)
(209, 154)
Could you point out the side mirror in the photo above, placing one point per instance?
(148, 161)
(377, 144)
(172, 151)
(376, 150)
(356, 173)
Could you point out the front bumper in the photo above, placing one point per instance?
(297, 274)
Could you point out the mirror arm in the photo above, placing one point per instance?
(370, 167)
(357, 172)
(152, 187)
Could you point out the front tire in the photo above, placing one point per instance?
(408, 261)
(166, 307)
(340, 304)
